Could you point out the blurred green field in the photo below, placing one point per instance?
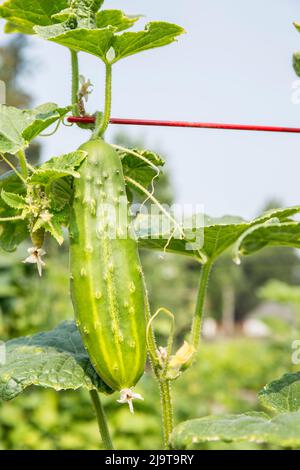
(226, 377)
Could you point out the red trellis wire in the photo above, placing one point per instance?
(197, 125)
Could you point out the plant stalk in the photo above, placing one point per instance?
(100, 130)
(199, 310)
(167, 409)
(102, 423)
(23, 163)
(75, 82)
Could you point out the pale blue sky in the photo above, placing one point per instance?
(233, 65)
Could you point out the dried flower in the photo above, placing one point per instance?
(182, 356)
(86, 88)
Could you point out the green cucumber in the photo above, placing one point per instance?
(107, 284)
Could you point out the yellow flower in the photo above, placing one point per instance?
(182, 356)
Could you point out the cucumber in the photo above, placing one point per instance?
(107, 284)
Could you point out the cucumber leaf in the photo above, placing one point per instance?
(296, 63)
(115, 18)
(156, 34)
(275, 234)
(13, 200)
(219, 234)
(23, 15)
(92, 41)
(12, 234)
(282, 395)
(143, 169)
(281, 431)
(18, 127)
(100, 42)
(56, 359)
(58, 167)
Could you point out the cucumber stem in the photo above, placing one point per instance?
(75, 82)
(100, 130)
(101, 418)
(167, 411)
(23, 163)
(199, 310)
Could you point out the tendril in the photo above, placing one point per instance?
(54, 131)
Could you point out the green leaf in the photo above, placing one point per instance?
(60, 193)
(18, 127)
(282, 395)
(156, 34)
(10, 182)
(218, 234)
(115, 18)
(13, 200)
(54, 228)
(58, 167)
(25, 14)
(12, 234)
(281, 431)
(277, 234)
(99, 41)
(143, 169)
(56, 359)
(296, 63)
(92, 41)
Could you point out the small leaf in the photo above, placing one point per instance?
(60, 193)
(282, 395)
(12, 234)
(281, 431)
(18, 127)
(138, 168)
(156, 34)
(24, 14)
(93, 41)
(296, 63)
(277, 234)
(56, 359)
(58, 167)
(13, 200)
(115, 18)
(54, 228)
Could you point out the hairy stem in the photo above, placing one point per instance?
(8, 219)
(102, 424)
(23, 163)
(75, 82)
(163, 383)
(167, 411)
(198, 316)
(100, 130)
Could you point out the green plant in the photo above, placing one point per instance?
(73, 191)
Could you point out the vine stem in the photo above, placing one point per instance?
(167, 411)
(102, 424)
(199, 310)
(100, 130)
(75, 81)
(23, 163)
(163, 383)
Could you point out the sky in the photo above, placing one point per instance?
(234, 65)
